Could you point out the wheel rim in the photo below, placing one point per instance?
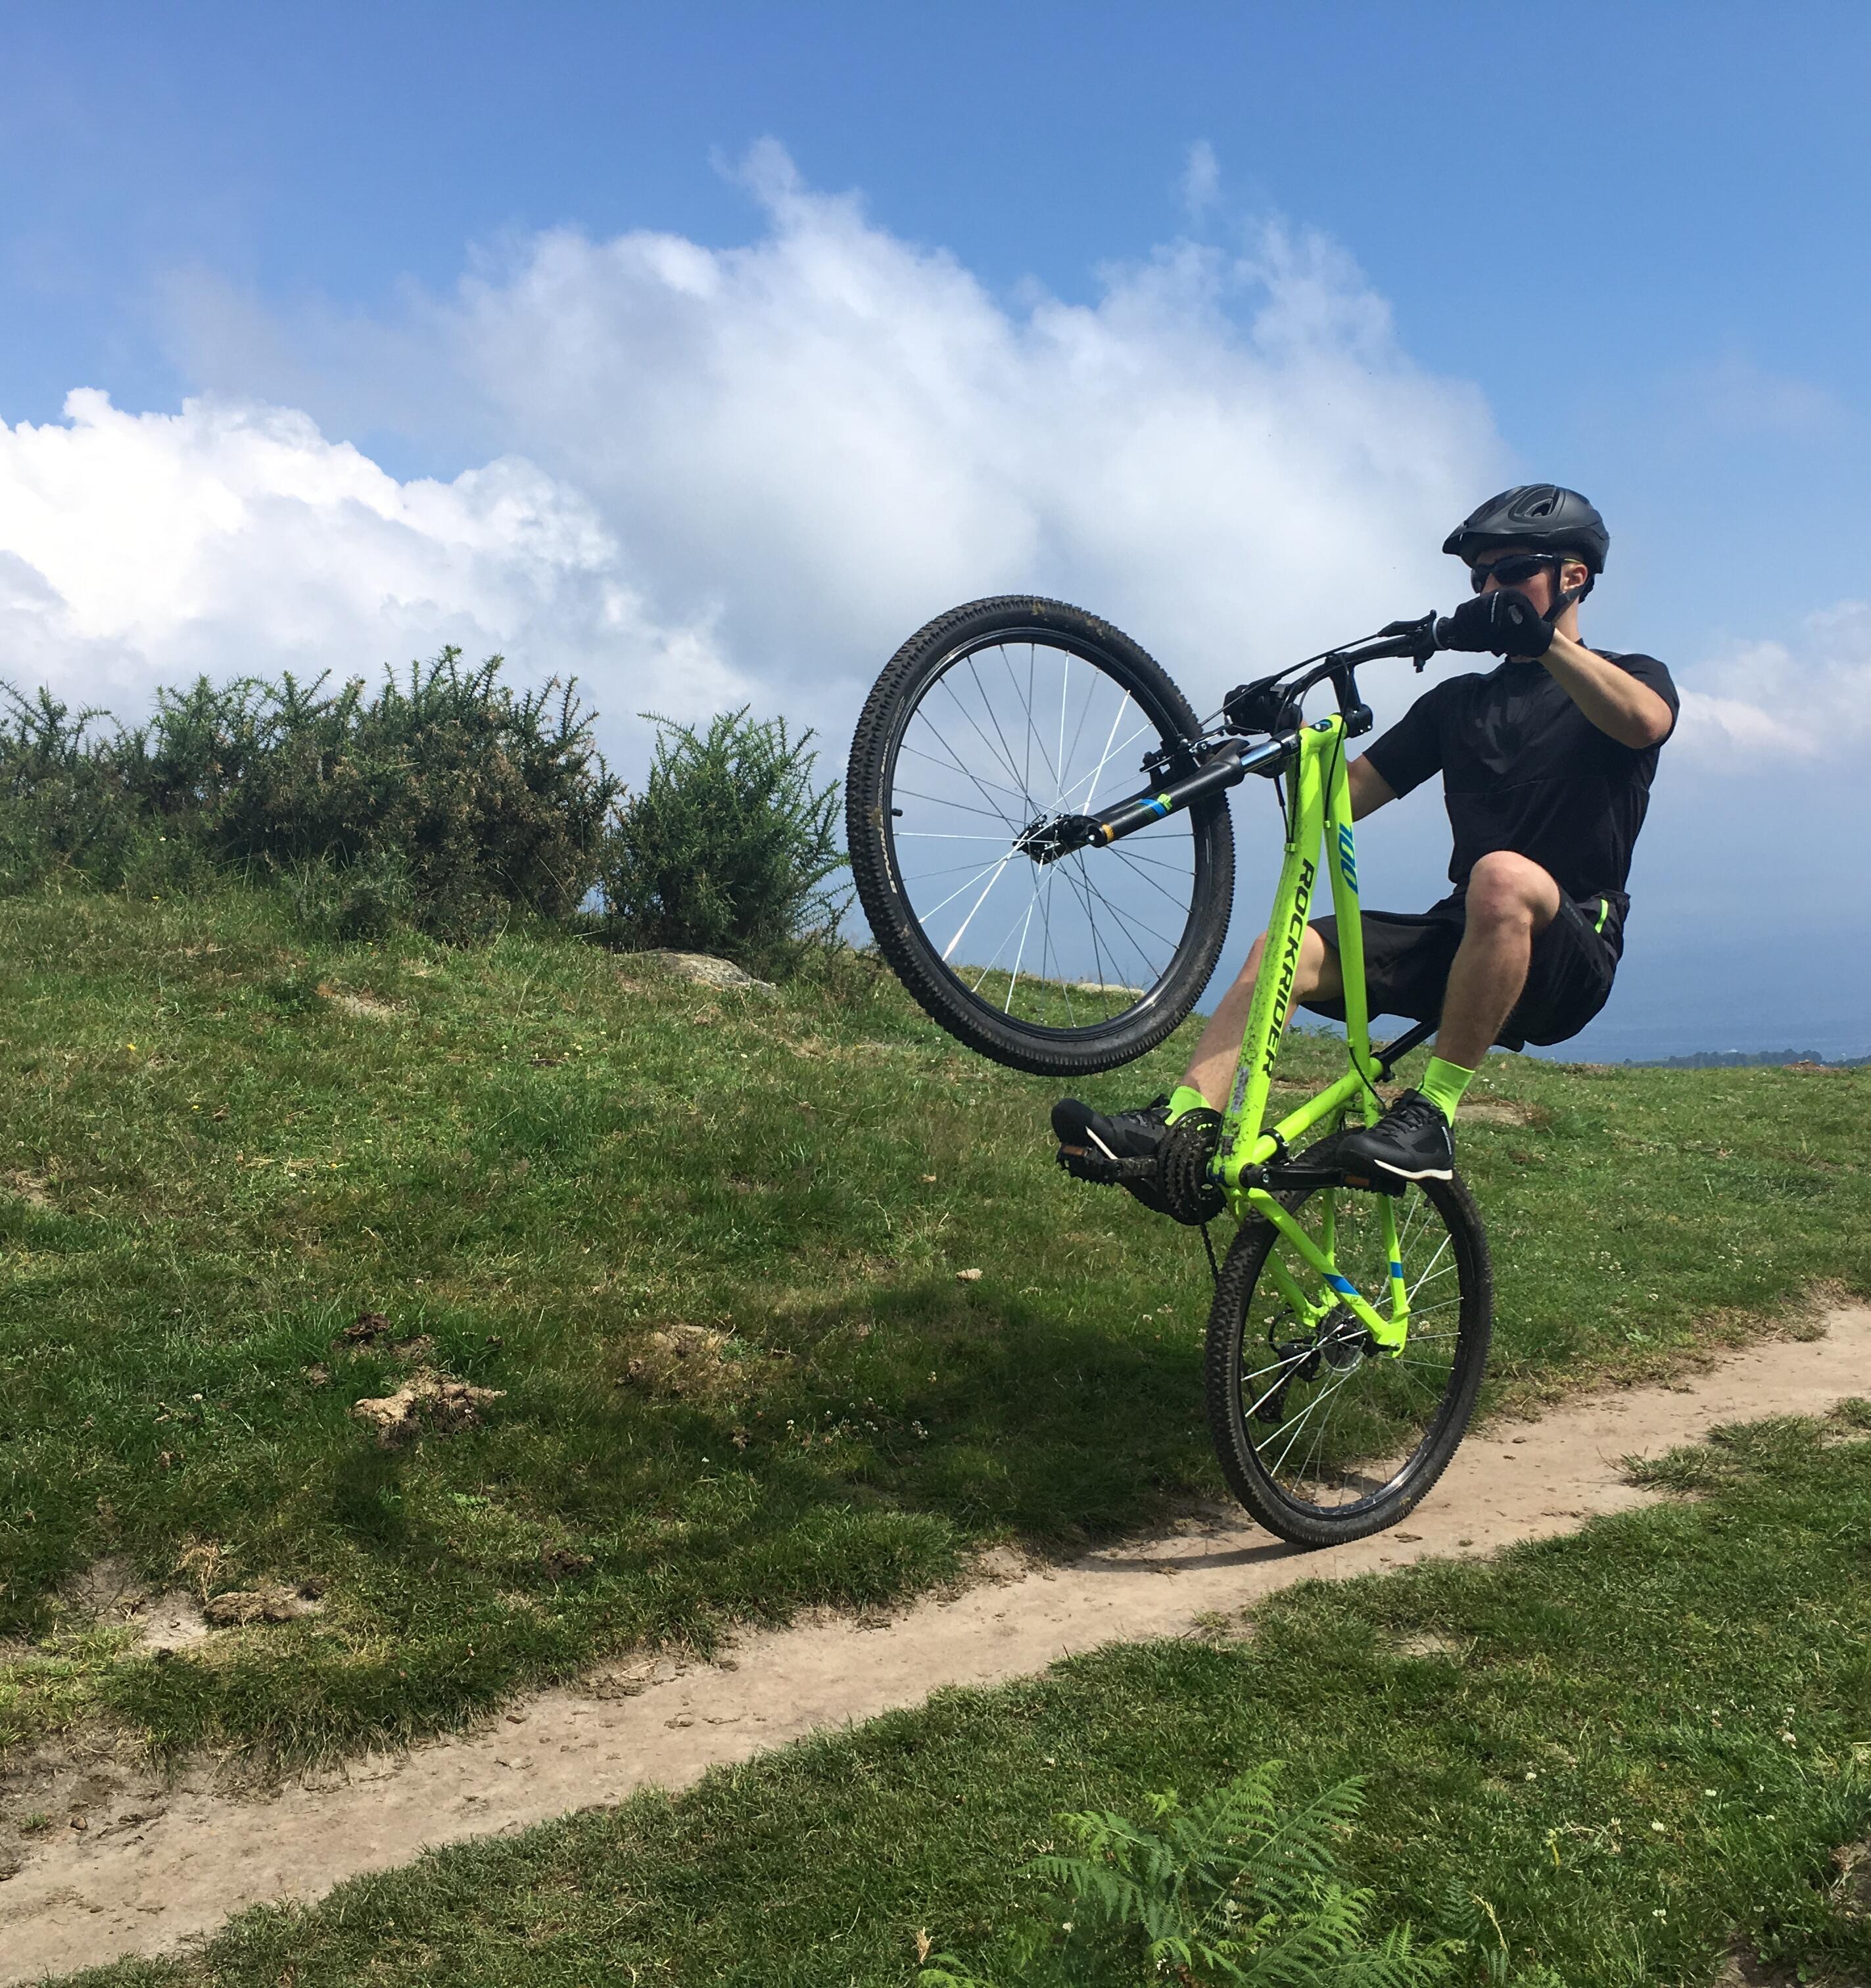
(1008, 733)
(1334, 1428)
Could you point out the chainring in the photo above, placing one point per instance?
(1185, 1167)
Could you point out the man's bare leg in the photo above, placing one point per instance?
(1211, 1069)
(1510, 901)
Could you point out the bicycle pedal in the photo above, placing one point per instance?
(1317, 1166)
(1087, 1163)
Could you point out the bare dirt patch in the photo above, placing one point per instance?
(703, 968)
(426, 1401)
(1503, 1111)
(194, 1853)
(109, 1593)
(1476, 1109)
(29, 1188)
(360, 1006)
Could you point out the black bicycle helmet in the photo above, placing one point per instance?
(1534, 518)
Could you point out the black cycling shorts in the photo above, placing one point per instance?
(1408, 955)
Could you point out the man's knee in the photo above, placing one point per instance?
(1504, 889)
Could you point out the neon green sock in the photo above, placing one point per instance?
(1186, 1097)
(1444, 1083)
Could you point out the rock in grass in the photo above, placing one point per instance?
(705, 969)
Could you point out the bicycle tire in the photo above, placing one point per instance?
(1229, 1378)
(874, 798)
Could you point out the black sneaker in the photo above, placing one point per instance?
(1412, 1141)
(1116, 1148)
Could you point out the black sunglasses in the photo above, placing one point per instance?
(1511, 568)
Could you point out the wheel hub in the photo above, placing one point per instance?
(1343, 1341)
(1049, 837)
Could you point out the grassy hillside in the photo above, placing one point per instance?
(707, 1248)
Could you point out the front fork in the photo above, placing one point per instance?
(1389, 1333)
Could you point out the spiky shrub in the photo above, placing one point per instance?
(446, 800)
(63, 805)
(729, 846)
(1233, 1888)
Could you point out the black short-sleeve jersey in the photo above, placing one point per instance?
(1524, 768)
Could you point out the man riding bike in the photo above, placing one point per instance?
(1547, 761)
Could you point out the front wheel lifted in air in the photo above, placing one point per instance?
(993, 742)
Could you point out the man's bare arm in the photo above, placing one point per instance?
(1621, 707)
(1370, 790)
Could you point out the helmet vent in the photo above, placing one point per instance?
(1540, 502)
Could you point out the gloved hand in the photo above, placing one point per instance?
(1503, 623)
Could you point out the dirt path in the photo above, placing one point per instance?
(168, 1860)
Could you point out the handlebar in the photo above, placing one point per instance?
(1417, 640)
(1205, 766)
(1273, 704)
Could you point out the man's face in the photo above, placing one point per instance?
(1538, 586)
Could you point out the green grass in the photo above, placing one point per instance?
(1604, 1756)
(558, 1181)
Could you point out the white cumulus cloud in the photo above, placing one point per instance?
(138, 549)
(1806, 699)
(808, 444)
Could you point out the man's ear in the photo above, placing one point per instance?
(1573, 573)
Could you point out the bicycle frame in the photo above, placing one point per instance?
(1319, 834)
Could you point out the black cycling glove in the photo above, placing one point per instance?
(1504, 623)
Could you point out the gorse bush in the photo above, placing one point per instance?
(446, 800)
(728, 848)
(63, 806)
(1232, 1889)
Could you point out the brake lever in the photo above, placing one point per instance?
(1423, 632)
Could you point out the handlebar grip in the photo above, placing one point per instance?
(1444, 626)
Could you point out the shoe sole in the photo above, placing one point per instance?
(1397, 1173)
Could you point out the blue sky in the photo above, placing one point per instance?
(1621, 247)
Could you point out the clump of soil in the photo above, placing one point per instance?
(695, 1361)
(1851, 1891)
(372, 1328)
(237, 1607)
(427, 1401)
(365, 1330)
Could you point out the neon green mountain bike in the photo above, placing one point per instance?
(1061, 918)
